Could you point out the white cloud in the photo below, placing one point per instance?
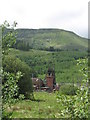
(65, 14)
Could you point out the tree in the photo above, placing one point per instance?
(8, 36)
(51, 48)
(22, 45)
(13, 65)
(10, 87)
(77, 106)
(16, 74)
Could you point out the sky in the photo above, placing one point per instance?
(69, 15)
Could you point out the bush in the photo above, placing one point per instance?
(68, 89)
(13, 65)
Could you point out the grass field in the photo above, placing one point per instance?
(44, 106)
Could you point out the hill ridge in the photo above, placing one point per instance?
(52, 29)
(45, 38)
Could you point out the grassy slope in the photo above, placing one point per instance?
(44, 38)
(48, 107)
(64, 62)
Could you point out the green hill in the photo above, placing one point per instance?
(44, 48)
(64, 62)
(51, 39)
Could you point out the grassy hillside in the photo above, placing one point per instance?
(56, 38)
(64, 62)
(51, 48)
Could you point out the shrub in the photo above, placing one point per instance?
(68, 89)
(13, 65)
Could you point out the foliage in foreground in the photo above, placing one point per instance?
(13, 65)
(77, 106)
(10, 88)
(10, 91)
